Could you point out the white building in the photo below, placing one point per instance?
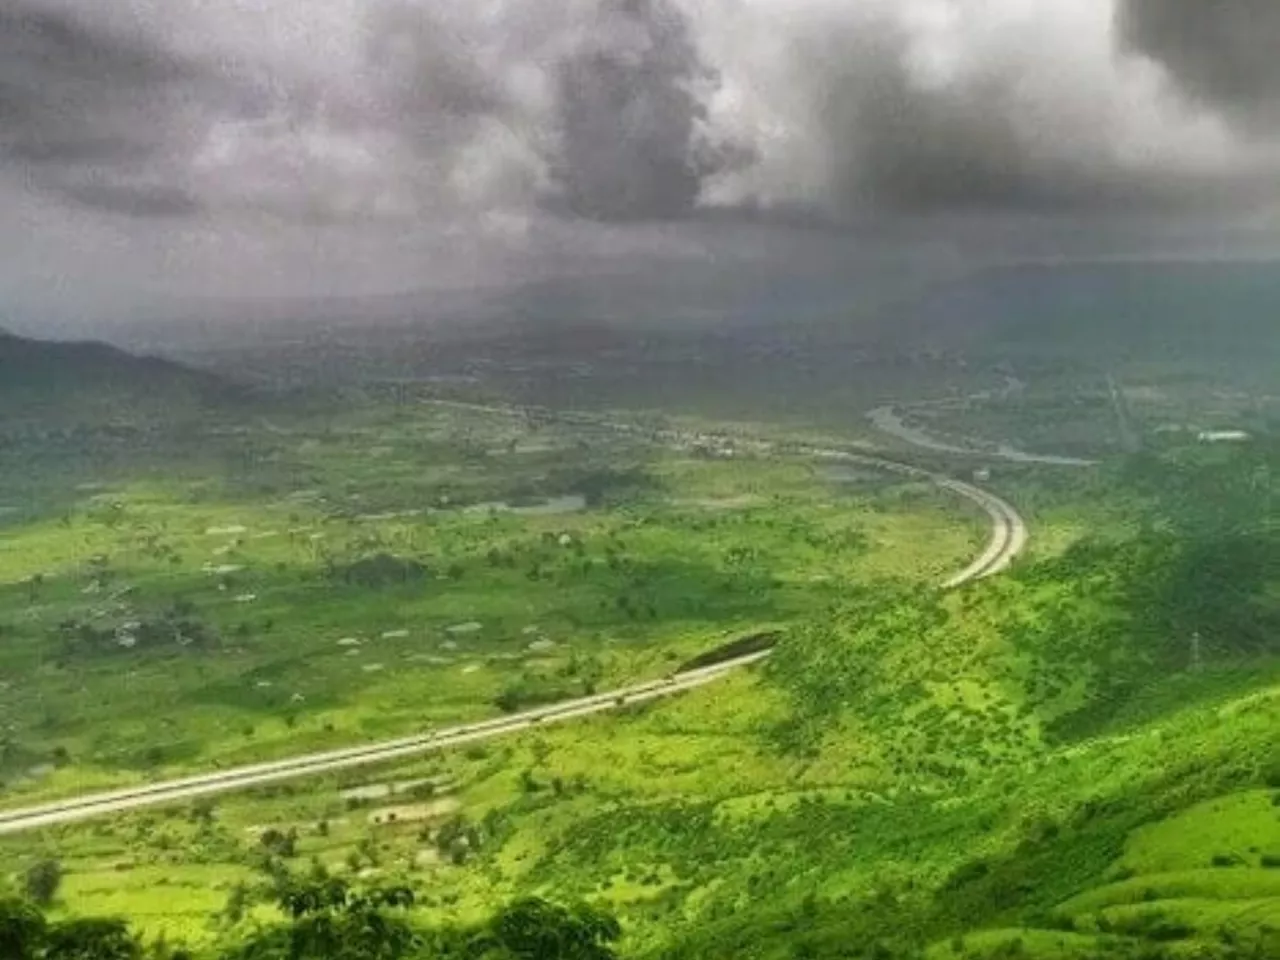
(1222, 436)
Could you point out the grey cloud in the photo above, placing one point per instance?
(451, 112)
(1223, 54)
(897, 147)
(898, 144)
(630, 115)
(60, 85)
(135, 200)
(983, 104)
(430, 70)
(594, 107)
(86, 110)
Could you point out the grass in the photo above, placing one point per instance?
(1236, 830)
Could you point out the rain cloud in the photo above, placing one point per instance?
(1222, 54)
(440, 111)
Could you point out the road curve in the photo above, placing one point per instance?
(888, 420)
(1009, 533)
(1008, 537)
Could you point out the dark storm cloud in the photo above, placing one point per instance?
(898, 143)
(630, 115)
(76, 99)
(426, 109)
(432, 112)
(920, 105)
(1225, 54)
(597, 109)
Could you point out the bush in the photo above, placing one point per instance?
(534, 929)
(42, 881)
(278, 843)
(22, 930)
(92, 938)
(381, 570)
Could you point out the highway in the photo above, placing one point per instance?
(1008, 538)
(1009, 534)
(260, 774)
(888, 420)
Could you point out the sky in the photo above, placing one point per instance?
(164, 152)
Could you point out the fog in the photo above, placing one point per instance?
(165, 149)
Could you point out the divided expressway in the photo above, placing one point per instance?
(1008, 538)
(258, 774)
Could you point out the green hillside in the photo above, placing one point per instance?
(46, 384)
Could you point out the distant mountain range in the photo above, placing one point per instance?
(88, 382)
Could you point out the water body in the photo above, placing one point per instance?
(552, 506)
(837, 473)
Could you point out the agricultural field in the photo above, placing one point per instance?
(394, 569)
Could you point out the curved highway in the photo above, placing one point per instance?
(1008, 537)
(888, 420)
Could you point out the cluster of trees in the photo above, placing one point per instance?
(178, 625)
(380, 570)
(533, 690)
(327, 919)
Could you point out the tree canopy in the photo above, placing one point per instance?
(329, 919)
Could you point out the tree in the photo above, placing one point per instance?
(43, 880)
(534, 929)
(91, 938)
(202, 812)
(278, 843)
(237, 904)
(330, 921)
(22, 930)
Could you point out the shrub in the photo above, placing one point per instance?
(278, 843)
(22, 930)
(42, 881)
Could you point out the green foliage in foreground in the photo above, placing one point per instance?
(329, 920)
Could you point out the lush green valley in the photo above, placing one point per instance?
(1076, 758)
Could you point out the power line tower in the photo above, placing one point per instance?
(1196, 662)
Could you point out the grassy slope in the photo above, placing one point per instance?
(1126, 765)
